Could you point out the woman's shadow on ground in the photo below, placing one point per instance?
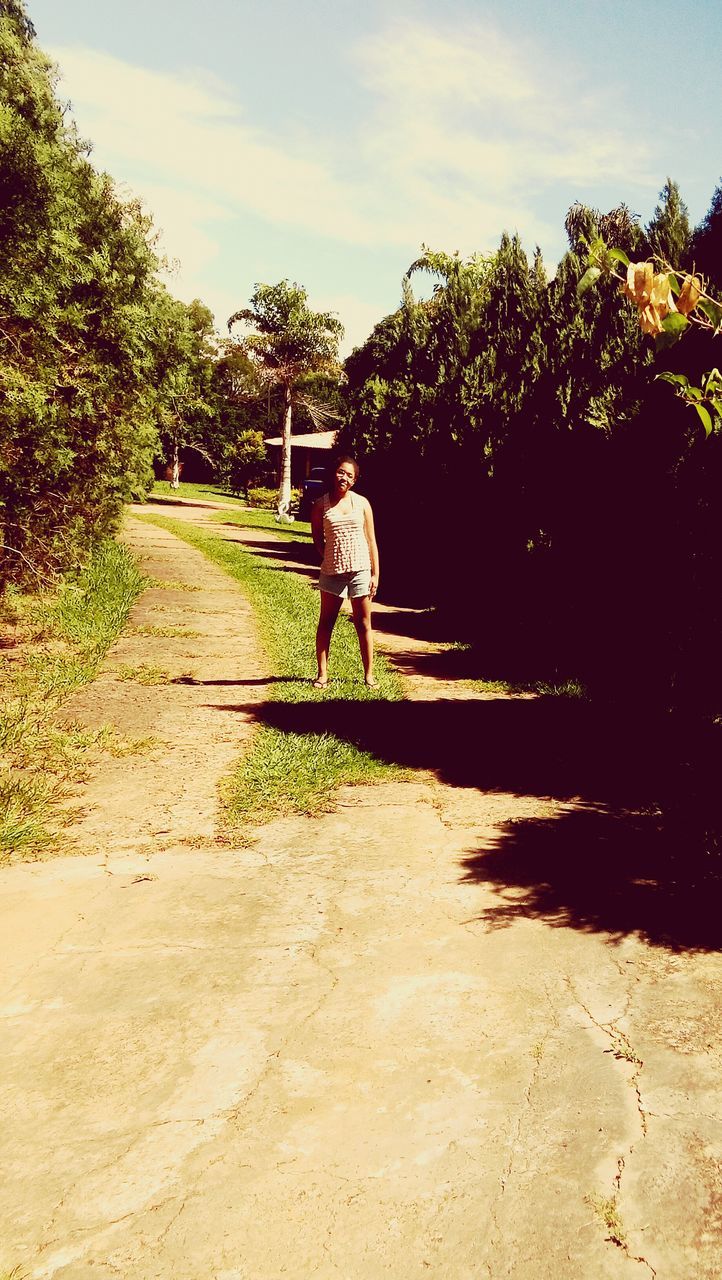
(639, 852)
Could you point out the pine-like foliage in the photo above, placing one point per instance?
(669, 235)
(707, 242)
(430, 397)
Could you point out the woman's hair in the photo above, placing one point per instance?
(345, 457)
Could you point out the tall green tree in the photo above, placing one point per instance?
(433, 392)
(75, 410)
(234, 438)
(707, 242)
(413, 383)
(95, 356)
(668, 234)
(288, 341)
(187, 407)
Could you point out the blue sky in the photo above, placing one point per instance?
(324, 141)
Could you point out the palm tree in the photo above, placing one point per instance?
(289, 341)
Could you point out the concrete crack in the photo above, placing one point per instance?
(234, 1112)
(526, 1104)
(154, 1208)
(622, 1050)
(80, 1232)
(104, 1166)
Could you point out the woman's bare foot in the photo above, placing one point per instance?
(370, 683)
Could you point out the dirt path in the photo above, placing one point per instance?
(399, 1040)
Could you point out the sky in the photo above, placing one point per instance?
(326, 141)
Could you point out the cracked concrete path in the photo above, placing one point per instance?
(170, 684)
(328, 1054)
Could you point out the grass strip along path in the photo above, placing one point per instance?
(53, 643)
(163, 492)
(290, 772)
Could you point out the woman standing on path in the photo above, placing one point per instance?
(342, 525)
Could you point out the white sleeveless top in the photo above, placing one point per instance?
(345, 549)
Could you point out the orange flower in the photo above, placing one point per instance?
(689, 294)
(662, 297)
(639, 283)
(650, 293)
(650, 320)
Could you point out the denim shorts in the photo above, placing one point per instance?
(354, 584)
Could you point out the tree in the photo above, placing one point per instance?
(88, 366)
(290, 341)
(184, 379)
(668, 234)
(432, 393)
(242, 457)
(707, 241)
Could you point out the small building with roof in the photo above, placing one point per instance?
(312, 450)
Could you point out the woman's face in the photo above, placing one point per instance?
(345, 476)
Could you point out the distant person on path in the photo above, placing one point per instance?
(342, 525)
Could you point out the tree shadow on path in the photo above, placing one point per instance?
(637, 853)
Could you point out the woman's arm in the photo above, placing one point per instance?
(317, 526)
(373, 547)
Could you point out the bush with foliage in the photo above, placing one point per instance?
(560, 503)
(267, 499)
(95, 357)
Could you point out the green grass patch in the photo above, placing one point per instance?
(607, 1209)
(542, 688)
(163, 633)
(501, 687)
(171, 584)
(465, 666)
(300, 529)
(200, 492)
(292, 772)
(144, 673)
(561, 689)
(55, 644)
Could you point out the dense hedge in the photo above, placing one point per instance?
(532, 479)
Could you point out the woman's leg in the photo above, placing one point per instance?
(330, 606)
(361, 606)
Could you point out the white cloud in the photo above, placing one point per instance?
(412, 61)
(473, 131)
(183, 218)
(178, 130)
(465, 136)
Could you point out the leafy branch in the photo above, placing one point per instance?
(707, 399)
(668, 302)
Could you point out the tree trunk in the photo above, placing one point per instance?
(284, 492)
(175, 463)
